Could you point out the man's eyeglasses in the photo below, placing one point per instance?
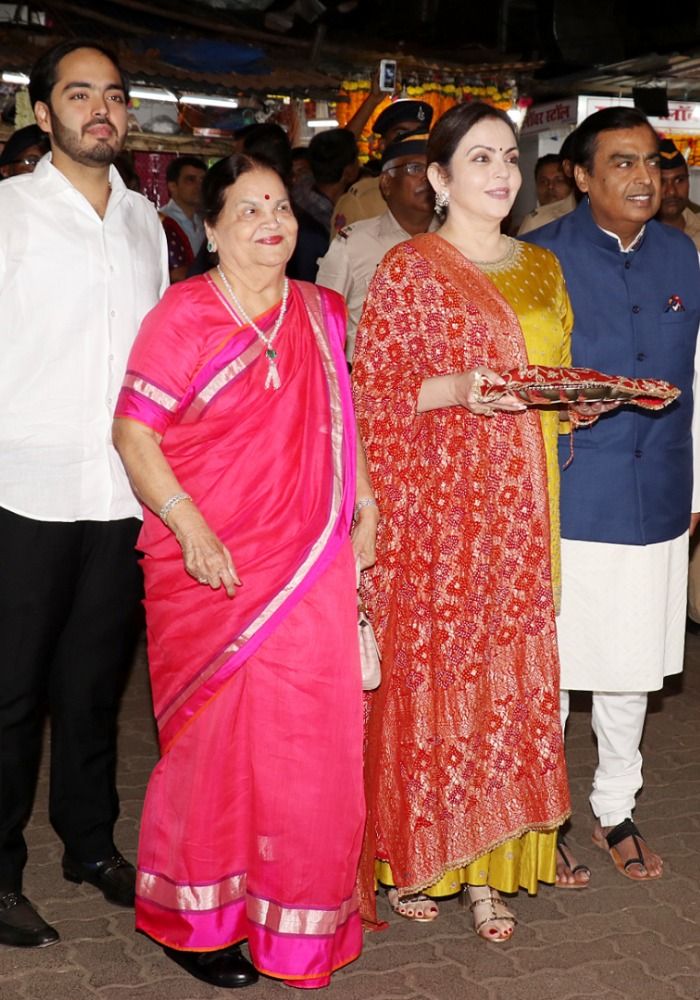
(412, 169)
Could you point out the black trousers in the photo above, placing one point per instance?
(69, 617)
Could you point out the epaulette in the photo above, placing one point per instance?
(343, 233)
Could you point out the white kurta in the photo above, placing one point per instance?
(622, 620)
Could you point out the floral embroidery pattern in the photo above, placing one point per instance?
(464, 747)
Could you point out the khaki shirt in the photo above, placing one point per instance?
(548, 213)
(692, 226)
(363, 200)
(352, 258)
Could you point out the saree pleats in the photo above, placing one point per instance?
(260, 786)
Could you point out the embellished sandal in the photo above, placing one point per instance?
(416, 906)
(564, 852)
(495, 910)
(608, 842)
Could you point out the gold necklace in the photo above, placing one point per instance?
(514, 248)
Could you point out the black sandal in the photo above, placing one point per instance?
(563, 847)
(608, 842)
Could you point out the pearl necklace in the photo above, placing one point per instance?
(273, 375)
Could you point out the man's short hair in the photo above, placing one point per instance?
(176, 166)
(330, 153)
(608, 120)
(545, 160)
(567, 147)
(269, 141)
(20, 140)
(44, 73)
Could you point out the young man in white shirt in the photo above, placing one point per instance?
(82, 259)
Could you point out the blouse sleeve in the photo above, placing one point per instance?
(163, 360)
(566, 314)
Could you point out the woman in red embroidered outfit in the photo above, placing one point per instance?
(465, 774)
(239, 433)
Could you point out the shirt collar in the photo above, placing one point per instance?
(602, 237)
(53, 181)
(633, 245)
(388, 224)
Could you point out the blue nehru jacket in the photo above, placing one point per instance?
(631, 478)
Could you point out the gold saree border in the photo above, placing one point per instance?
(203, 898)
(150, 391)
(199, 898)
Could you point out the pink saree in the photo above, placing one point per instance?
(257, 699)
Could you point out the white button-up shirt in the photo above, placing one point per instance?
(73, 291)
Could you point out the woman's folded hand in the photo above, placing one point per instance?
(206, 558)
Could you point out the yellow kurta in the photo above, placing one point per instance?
(533, 285)
(532, 282)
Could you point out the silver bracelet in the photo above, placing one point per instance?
(171, 502)
(365, 502)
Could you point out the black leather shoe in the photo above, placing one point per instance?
(227, 968)
(20, 924)
(115, 877)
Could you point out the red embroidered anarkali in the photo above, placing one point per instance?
(464, 746)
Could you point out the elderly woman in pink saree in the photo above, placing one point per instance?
(244, 456)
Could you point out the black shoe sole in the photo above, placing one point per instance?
(29, 944)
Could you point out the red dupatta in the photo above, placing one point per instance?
(271, 470)
(464, 747)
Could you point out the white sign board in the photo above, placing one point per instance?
(542, 117)
(683, 116)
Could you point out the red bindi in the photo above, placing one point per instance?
(267, 197)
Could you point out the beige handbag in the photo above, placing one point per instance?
(370, 658)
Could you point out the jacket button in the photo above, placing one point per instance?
(638, 453)
(628, 265)
(641, 356)
(636, 309)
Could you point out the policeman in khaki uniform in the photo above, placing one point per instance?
(364, 199)
(408, 204)
(675, 205)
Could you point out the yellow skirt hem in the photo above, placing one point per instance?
(519, 860)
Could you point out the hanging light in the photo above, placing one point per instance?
(21, 79)
(153, 94)
(208, 101)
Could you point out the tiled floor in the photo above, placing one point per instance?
(615, 941)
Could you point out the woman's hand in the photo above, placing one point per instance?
(364, 536)
(206, 558)
(467, 393)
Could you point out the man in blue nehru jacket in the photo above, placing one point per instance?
(627, 497)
